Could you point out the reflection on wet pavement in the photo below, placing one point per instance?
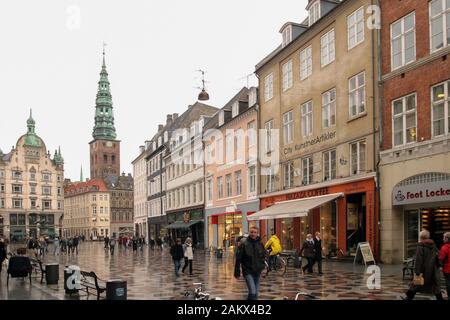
(150, 275)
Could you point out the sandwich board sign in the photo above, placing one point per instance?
(365, 252)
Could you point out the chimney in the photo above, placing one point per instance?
(141, 149)
(160, 127)
(174, 116)
(169, 120)
(147, 144)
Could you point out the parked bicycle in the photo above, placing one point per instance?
(199, 294)
(278, 266)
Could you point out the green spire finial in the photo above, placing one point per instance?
(104, 117)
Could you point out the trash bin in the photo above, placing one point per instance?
(116, 290)
(219, 253)
(68, 271)
(297, 260)
(52, 273)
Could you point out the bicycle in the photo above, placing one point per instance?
(199, 294)
(279, 266)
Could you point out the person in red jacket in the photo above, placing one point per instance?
(444, 256)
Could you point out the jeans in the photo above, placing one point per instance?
(272, 262)
(186, 263)
(177, 264)
(309, 266)
(319, 263)
(252, 285)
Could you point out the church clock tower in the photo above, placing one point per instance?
(104, 149)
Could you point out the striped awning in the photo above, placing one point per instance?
(293, 208)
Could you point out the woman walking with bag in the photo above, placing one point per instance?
(188, 255)
(426, 269)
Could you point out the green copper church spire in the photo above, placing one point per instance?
(104, 117)
(31, 139)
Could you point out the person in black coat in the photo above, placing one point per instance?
(427, 264)
(177, 253)
(318, 251)
(250, 257)
(2, 253)
(106, 242)
(309, 252)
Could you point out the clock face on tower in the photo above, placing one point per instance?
(109, 144)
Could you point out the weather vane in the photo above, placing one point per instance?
(203, 95)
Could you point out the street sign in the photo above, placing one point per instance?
(363, 250)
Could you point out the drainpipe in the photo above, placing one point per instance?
(376, 155)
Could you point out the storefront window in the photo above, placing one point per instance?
(210, 232)
(229, 229)
(437, 222)
(328, 220)
(411, 232)
(287, 234)
(305, 228)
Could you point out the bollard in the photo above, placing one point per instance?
(52, 273)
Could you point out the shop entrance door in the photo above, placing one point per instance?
(356, 221)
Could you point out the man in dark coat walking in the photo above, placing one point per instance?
(309, 252)
(177, 254)
(318, 252)
(427, 264)
(250, 256)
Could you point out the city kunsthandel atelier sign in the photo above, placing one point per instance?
(421, 193)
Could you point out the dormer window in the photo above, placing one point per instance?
(235, 109)
(221, 117)
(252, 97)
(314, 12)
(287, 35)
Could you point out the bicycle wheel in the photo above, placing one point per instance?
(280, 266)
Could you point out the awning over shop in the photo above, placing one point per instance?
(293, 208)
(181, 224)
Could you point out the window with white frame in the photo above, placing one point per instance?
(307, 167)
(17, 203)
(209, 185)
(208, 153)
(357, 95)
(306, 63)
(2, 173)
(2, 203)
(270, 180)
(314, 12)
(46, 191)
(287, 35)
(327, 48)
(238, 178)
(288, 127)
(46, 176)
(329, 108)
(17, 175)
(235, 109)
(441, 108)
(287, 75)
(251, 133)
(329, 165)
(239, 145)
(229, 147)
(94, 211)
(439, 24)
(252, 179)
(358, 157)
(219, 188)
(403, 41)
(228, 185)
(17, 188)
(221, 117)
(269, 143)
(194, 193)
(355, 28)
(404, 120)
(288, 174)
(307, 118)
(219, 151)
(2, 187)
(268, 87)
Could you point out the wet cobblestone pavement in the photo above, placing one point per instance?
(150, 276)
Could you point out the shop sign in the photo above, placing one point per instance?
(317, 140)
(307, 194)
(420, 193)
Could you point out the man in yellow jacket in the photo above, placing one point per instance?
(275, 248)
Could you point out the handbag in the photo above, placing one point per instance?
(418, 280)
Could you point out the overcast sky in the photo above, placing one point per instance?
(50, 59)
